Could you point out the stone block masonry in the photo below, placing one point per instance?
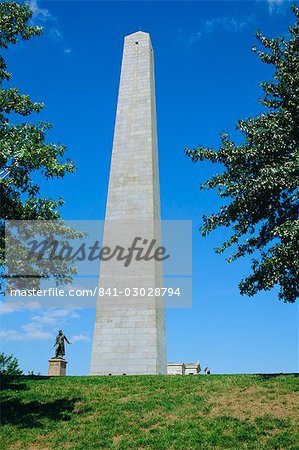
(129, 332)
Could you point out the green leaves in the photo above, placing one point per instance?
(261, 177)
(9, 365)
(12, 101)
(13, 23)
(24, 151)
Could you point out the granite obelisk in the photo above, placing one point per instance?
(129, 332)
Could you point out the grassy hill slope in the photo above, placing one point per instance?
(151, 412)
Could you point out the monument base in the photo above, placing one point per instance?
(57, 367)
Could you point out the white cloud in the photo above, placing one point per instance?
(80, 338)
(56, 34)
(275, 2)
(10, 307)
(55, 316)
(44, 17)
(38, 12)
(229, 24)
(194, 37)
(67, 50)
(28, 335)
(34, 329)
(225, 23)
(273, 5)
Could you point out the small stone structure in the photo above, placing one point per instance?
(192, 368)
(175, 369)
(183, 368)
(57, 367)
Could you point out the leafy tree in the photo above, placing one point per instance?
(261, 175)
(23, 148)
(9, 365)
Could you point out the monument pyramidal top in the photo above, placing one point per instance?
(137, 33)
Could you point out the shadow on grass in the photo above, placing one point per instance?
(32, 414)
(16, 382)
(269, 376)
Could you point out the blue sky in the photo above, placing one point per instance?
(206, 79)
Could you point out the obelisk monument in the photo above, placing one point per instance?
(129, 333)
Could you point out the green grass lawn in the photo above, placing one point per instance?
(151, 412)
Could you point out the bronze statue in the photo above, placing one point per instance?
(59, 345)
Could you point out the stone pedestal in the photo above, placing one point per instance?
(57, 367)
